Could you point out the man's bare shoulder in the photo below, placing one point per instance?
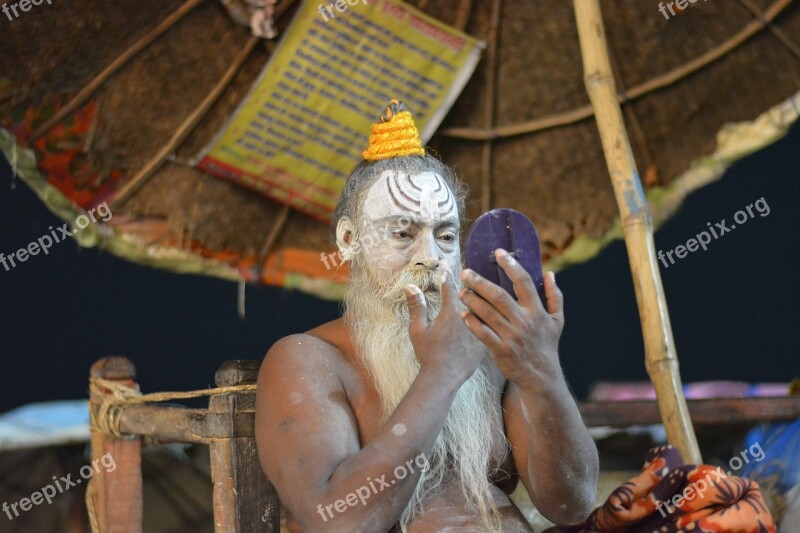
(304, 424)
(311, 352)
(334, 333)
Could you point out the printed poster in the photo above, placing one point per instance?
(301, 129)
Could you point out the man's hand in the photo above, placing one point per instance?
(443, 344)
(540, 414)
(522, 336)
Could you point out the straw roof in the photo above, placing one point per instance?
(521, 134)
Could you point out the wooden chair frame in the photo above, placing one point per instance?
(244, 500)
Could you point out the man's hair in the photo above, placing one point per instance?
(367, 172)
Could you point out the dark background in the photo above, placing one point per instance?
(733, 307)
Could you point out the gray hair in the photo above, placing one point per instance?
(367, 172)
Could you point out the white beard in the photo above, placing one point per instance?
(377, 316)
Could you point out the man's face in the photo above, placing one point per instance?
(411, 232)
(409, 223)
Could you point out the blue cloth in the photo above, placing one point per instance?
(781, 445)
(45, 424)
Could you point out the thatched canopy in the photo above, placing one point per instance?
(522, 134)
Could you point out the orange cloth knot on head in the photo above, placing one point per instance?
(395, 135)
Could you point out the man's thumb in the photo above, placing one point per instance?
(417, 307)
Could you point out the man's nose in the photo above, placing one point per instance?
(428, 254)
(429, 264)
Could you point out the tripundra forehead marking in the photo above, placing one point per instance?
(397, 193)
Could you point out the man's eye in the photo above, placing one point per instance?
(400, 234)
(447, 237)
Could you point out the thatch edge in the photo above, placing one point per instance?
(126, 246)
(734, 141)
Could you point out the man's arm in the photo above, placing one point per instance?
(552, 451)
(554, 454)
(307, 434)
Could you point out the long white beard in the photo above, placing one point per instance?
(377, 315)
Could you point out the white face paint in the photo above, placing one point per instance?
(416, 219)
(424, 196)
(410, 221)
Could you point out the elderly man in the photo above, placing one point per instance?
(422, 407)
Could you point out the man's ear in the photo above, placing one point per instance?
(345, 237)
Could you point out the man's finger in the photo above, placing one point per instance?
(417, 308)
(492, 293)
(483, 332)
(555, 298)
(449, 291)
(523, 284)
(485, 312)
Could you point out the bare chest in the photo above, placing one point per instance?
(365, 403)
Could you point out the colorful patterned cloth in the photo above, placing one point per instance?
(668, 497)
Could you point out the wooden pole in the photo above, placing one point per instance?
(116, 496)
(489, 109)
(462, 15)
(244, 500)
(637, 225)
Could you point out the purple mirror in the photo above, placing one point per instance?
(512, 231)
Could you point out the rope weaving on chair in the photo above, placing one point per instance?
(114, 396)
(89, 498)
(105, 418)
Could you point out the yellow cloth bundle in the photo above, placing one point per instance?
(394, 136)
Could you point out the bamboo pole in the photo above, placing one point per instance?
(637, 225)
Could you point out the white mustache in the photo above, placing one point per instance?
(424, 279)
